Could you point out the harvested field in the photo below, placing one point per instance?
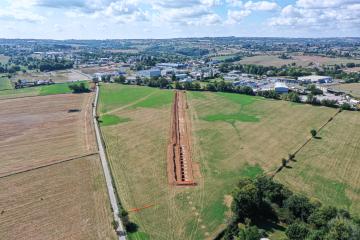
(51, 177)
(64, 201)
(42, 130)
(180, 170)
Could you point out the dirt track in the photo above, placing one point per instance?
(180, 170)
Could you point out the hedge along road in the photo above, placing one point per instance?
(109, 182)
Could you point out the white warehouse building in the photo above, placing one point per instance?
(281, 87)
(316, 79)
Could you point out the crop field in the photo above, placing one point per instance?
(350, 88)
(51, 177)
(273, 60)
(57, 76)
(232, 136)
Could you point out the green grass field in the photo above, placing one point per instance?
(5, 83)
(233, 136)
(61, 88)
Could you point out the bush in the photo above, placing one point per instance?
(81, 88)
(313, 132)
(297, 231)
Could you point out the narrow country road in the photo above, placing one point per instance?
(109, 181)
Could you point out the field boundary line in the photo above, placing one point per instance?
(128, 105)
(31, 96)
(288, 160)
(113, 196)
(49, 164)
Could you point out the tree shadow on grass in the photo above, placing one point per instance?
(318, 138)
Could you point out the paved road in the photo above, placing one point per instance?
(105, 165)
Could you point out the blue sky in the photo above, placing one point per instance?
(107, 19)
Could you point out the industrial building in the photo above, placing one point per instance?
(281, 87)
(151, 73)
(315, 79)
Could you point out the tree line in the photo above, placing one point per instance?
(222, 86)
(263, 201)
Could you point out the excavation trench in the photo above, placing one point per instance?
(180, 172)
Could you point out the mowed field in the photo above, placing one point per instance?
(51, 180)
(328, 169)
(233, 136)
(273, 60)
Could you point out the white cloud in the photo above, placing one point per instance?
(260, 6)
(315, 14)
(245, 9)
(20, 15)
(237, 16)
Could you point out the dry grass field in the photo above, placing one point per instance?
(328, 169)
(350, 88)
(233, 136)
(43, 196)
(41, 130)
(63, 201)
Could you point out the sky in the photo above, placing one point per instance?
(129, 19)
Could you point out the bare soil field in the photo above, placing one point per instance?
(42, 130)
(63, 201)
(92, 70)
(56, 76)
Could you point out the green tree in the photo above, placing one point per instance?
(297, 231)
(247, 200)
(249, 233)
(322, 216)
(299, 206)
(342, 229)
(313, 132)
